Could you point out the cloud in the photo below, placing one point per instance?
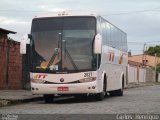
(141, 27)
(20, 26)
(56, 10)
(8, 21)
(5, 20)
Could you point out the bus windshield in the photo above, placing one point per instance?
(63, 44)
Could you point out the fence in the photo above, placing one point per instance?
(138, 74)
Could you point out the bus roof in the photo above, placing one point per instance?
(65, 14)
(70, 14)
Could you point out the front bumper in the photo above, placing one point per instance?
(78, 88)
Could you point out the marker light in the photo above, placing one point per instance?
(90, 79)
(38, 81)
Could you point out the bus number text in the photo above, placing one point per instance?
(88, 74)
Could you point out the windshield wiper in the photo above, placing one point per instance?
(69, 56)
(56, 52)
(72, 62)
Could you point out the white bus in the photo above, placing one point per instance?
(77, 54)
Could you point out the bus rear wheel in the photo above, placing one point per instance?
(48, 98)
(118, 92)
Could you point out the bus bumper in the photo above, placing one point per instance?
(78, 88)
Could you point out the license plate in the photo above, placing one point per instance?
(63, 89)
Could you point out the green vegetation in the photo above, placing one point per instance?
(153, 50)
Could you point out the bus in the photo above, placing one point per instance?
(77, 54)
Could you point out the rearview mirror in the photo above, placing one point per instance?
(29, 36)
(98, 44)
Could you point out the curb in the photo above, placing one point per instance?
(6, 102)
(9, 102)
(135, 85)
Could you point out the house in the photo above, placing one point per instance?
(144, 60)
(141, 68)
(10, 61)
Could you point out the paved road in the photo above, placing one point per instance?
(142, 100)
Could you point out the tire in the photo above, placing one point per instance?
(81, 96)
(101, 96)
(48, 98)
(118, 92)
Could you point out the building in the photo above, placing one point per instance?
(141, 68)
(144, 60)
(10, 62)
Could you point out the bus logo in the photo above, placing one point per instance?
(121, 59)
(40, 76)
(111, 56)
(62, 80)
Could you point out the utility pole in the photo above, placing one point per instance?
(144, 56)
(155, 66)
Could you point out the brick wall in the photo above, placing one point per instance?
(3, 65)
(10, 64)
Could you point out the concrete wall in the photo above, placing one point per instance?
(132, 74)
(150, 75)
(158, 77)
(136, 74)
(142, 75)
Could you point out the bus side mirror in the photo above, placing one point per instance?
(98, 44)
(30, 36)
(23, 43)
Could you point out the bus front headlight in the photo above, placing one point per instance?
(38, 81)
(90, 79)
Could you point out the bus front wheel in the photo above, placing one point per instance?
(48, 98)
(100, 96)
(118, 92)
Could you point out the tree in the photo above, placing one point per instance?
(158, 68)
(153, 50)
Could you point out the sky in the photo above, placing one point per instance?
(140, 19)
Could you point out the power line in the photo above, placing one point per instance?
(104, 13)
(143, 42)
(15, 10)
(136, 42)
(133, 12)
